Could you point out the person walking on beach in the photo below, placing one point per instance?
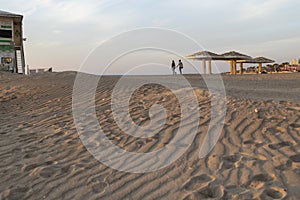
(173, 66)
(180, 65)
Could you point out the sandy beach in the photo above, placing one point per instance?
(256, 157)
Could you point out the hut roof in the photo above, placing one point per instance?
(205, 55)
(233, 55)
(8, 14)
(259, 60)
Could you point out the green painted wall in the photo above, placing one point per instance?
(6, 48)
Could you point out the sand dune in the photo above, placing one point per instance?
(256, 157)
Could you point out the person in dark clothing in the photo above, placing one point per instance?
(173, 66)
(180, 65)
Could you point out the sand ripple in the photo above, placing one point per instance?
(42, 157)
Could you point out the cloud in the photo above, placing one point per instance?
(70, 11)
(250, 9)
(25, 7)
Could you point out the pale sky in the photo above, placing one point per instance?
(61, 33)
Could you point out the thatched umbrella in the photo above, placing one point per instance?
(205, 56)
(234, 57)
(259, 61)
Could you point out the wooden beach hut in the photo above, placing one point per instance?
(11, 42)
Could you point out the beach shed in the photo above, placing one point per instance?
(11, 42)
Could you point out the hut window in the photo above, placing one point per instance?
(5, 33)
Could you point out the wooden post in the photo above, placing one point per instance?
(209, 66)
(22, 59)
(204, 66)
(15, 61)
(259, 67)
(241, 68)
(231, 67)
(234, 67)
(27, 69)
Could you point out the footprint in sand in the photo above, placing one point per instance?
(232, 158)
(212, 192)
(274, 193)
(285, 166)
(15, 193)
(99, 187)
(230, 161)
(209, 192)
(47, 172)
(259, 180)
(66, 169)
(280, 145)
(98, 184)
(295, 158)
(29, 167)
(197, 182)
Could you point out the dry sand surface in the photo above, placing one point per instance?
(256, 157)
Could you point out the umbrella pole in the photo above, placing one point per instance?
(259, 67)
(209, 66)
(241, 68)
(234, 67)
(204, 66)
